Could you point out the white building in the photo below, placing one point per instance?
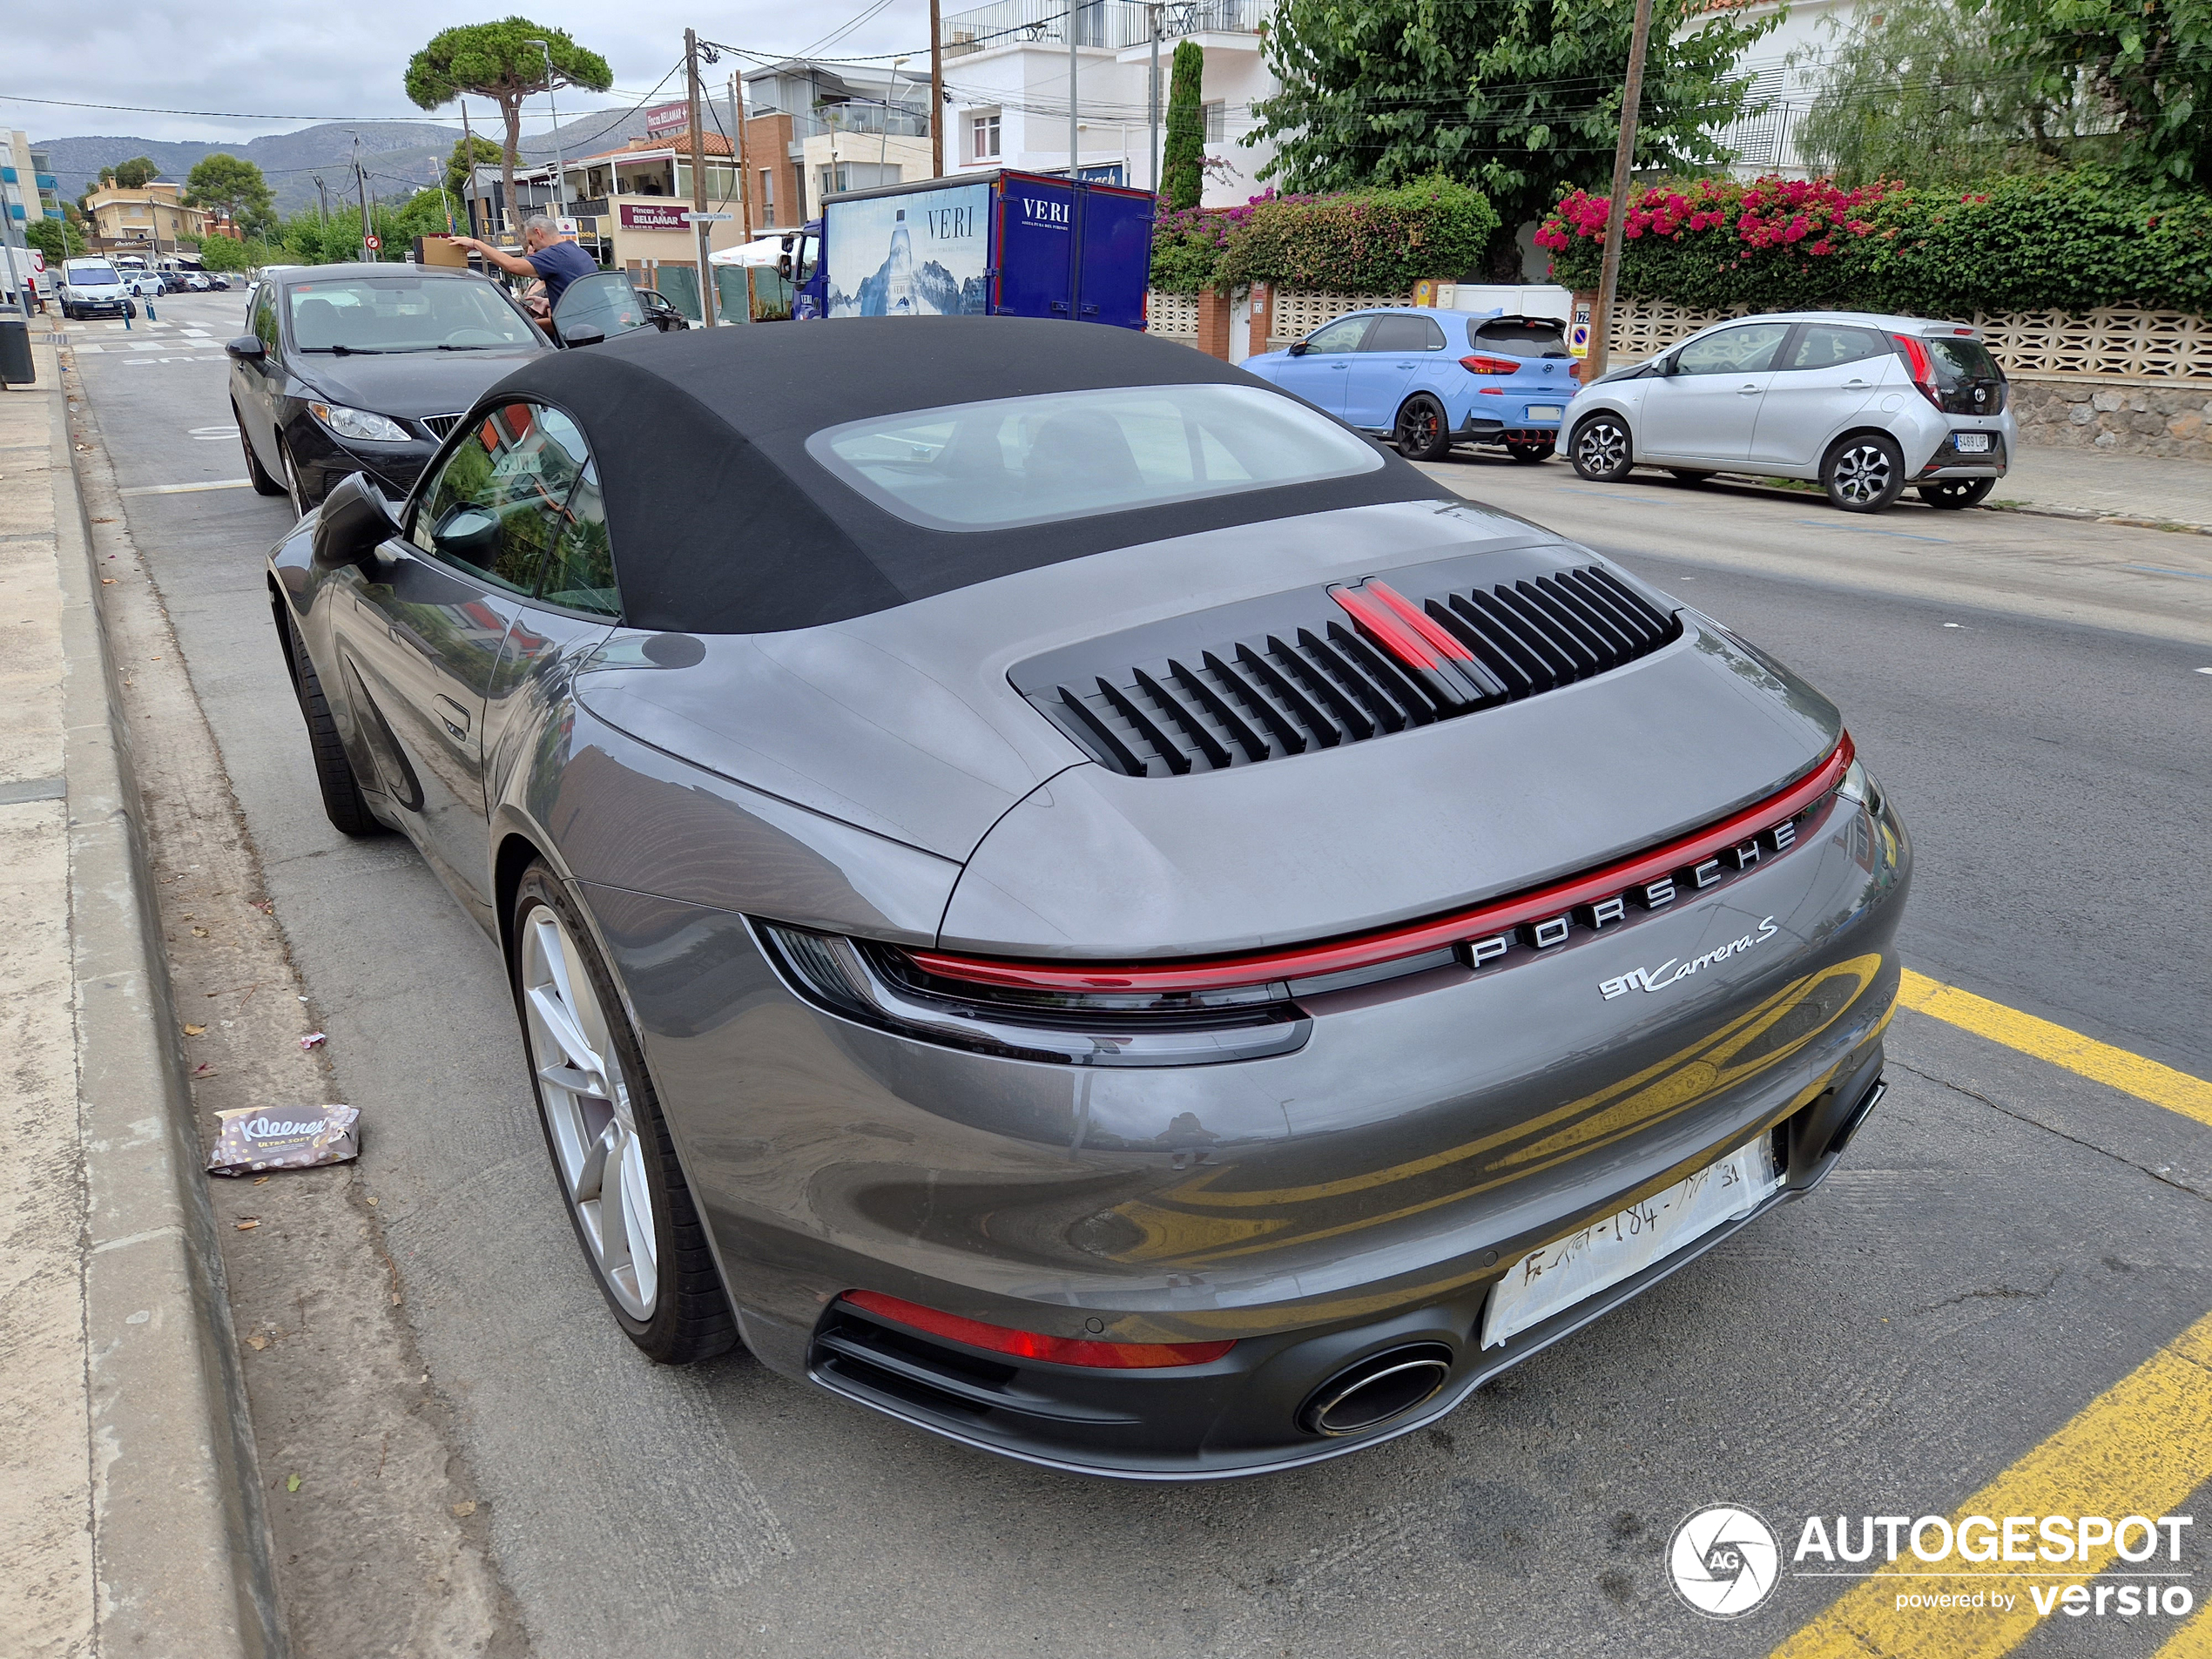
(1006, 85)
(1785, 69)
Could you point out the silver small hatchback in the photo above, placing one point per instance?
(1867, 405)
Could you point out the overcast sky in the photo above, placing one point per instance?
(292, 63)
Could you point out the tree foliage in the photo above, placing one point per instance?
(232, 186)
(2147, 64)
(1910, 91)
(481, 152)
(499, 62)
(56, 239)
(1518, 100)
(2065, 240)
(1182, 156)
(134, 174)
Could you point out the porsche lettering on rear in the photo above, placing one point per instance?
(1658, 979)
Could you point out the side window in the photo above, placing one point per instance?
(1341, 336)
(1396, 333)
(580, 573)
(264, 325)
(1823, 344)
(1746, 350)
(497, 504)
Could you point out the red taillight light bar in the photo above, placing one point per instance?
(1416, 938)
(1916, 355)
(1031, 1345)
(1480, 364)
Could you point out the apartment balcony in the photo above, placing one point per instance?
(1114, 25)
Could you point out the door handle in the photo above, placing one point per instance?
(455, 717)
(1746, 391)
(1849, 384)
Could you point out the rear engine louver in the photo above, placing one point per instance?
(1328, 668)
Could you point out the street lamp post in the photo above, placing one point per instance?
(560, 170)
(890, 101)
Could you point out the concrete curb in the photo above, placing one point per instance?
(180, 1547)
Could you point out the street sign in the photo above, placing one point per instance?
(1578, 331)
(710, 219)
(375, 243)
(568, 227)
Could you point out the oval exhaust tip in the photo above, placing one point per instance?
(1381, 1387)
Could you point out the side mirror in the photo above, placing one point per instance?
(583, 337)
(783, 267)
(354, 520)
(1299, 347)
(1670, 365)
(248, 348)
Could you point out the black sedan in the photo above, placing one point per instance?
(1058, 893)
(365, 368)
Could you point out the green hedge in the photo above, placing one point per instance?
(2065, 241)
(1378, 241)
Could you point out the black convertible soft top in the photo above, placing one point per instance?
(722, 523)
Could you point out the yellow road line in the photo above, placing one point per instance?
(2145, 1079)
(2192, 1641)
(2137, 1449)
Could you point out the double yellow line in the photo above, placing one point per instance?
(2140, 1448)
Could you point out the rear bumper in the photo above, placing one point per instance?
(1322, 1207)
(1950, 462)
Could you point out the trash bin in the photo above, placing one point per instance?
(16, 367)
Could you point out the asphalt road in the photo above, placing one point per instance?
(2007, 1240)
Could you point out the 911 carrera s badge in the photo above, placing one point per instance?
(1653, 979)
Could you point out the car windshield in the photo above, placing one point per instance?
(1961, 361)
(1518, 337)
(402, 314)
(91, 273)
(1073, 455)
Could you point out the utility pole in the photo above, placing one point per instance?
(468, 201)
(1624, 155)
(1074, 154)
(1153, 10)
(560, 171)
(702, 230)
(936, 94)
(744, 165)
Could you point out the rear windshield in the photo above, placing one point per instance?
(91, 273)
(398, 313)
(1518, 337)
(1960, 362)
(1018, 461)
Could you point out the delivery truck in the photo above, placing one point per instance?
(1002, 245)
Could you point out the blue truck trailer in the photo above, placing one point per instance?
(1002, 245)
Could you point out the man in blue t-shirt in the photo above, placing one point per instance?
(546, 253)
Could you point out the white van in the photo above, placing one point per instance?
(93, 288)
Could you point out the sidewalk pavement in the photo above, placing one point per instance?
(2085, 483)
(129, 1504)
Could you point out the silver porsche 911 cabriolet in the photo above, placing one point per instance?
(1058, 893)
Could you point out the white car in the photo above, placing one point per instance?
(93, 288)
(1864, 404)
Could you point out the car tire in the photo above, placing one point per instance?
(612, 1153)
(1958, 492)
(1864, 473)
(1530, 454)
(1603, 450)
(256, 473)
(292, 486)
(343, 803)
(1423, 431)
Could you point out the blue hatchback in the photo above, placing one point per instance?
(1429, 378)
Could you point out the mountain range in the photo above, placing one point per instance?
(400, 157)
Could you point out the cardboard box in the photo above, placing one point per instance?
(440, 250)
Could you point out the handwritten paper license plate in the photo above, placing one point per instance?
(1550, 1281)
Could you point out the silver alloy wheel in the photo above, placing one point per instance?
(292, 479)
(588, 1108)
(1602, 446)
(1861, 473)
